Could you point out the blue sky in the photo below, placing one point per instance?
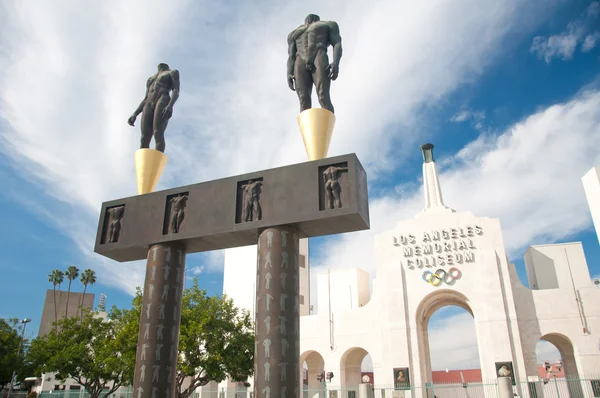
(509, 93)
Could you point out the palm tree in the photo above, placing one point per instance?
(88, 277)
(56, 277)
(72, 273)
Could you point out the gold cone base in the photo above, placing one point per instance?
(149, 165)
(316, 126)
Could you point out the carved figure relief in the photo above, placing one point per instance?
(251, 208)
(282, 323)
(155, 370)
(146, 331)
(268, 323)
(159, 331)
(268, 260)
(157, 352)
(178, 204)
(283, 391)
(269, 238)
(267, 345)
(267, 390)
(148, 306)
(282, 370)
(140, 391)
(115, 215)
(154, 389)
(142, 373)
(284, 260)
(153, 273)
(166, 269)
(144, 347)
(267, 371)
(333, 190)
(282, 299)
(161, 311)
(284, 239)
(268, 280)
(150, 291)
(268, 301)
(283, 276)
(165, 293)
(284, 346)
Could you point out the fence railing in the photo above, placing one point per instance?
(570, 387)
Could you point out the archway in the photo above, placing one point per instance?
(559, 369)
(462, 344)
(351, 368)
(314, 364)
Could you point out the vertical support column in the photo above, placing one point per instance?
(277, 350)
(505, 388)
(158, 337)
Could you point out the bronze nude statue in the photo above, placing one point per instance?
(308, 63)
(157, 106)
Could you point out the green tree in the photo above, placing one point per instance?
(216, 339)
(11, 357)
(71, 274)
(95, 352)
(88, 277)
(56, 277)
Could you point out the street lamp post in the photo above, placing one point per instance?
(12, 379)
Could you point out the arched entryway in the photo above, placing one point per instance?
(559, 374)
(314, 364)
(422, 372)
(351, 368)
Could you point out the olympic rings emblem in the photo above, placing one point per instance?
(439, 276)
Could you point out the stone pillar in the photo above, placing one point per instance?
(158, 337)
(277, 350)
(505, 389)
(365, 390)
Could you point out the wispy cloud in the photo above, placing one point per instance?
(577, 32)
(476, 118)
(75, 73)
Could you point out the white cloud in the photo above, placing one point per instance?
(546, 351)
(196, 270)
(75, 72)
(563, 45)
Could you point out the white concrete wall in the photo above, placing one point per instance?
(591, 185)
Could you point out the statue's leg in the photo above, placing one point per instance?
(322, 81)
(328, 196)
(160, 124)
(147, 126)
(336, 190)
(304, 84)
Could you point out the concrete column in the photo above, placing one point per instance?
(365, 390)
(505, 387)
(158, 337)
(277, 351)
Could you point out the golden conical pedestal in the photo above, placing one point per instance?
(149, 165)
(316, 126)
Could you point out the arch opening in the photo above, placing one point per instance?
(312, 365)
(352, 365)
(557, 365)
(448, 345)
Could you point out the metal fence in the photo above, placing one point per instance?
(588, 387)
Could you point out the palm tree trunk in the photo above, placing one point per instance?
(68, 294)
(55, 309)
(82, 297)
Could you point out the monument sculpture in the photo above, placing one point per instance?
(157, 106)
(229, 213)
(162, 91)
(308, 65)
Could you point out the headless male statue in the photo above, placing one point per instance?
(157, 106)
(308, 63)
